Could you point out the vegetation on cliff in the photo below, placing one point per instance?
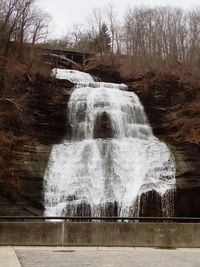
(21, 22)
(147, 39)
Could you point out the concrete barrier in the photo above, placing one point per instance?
(132, 234)
(31, 233)
(100, 234)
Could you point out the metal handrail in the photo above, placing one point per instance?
(88, 218)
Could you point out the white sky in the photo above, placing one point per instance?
(68, 12)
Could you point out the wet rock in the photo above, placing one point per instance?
(24, 162)
(27, 152)
(187, 157)
(172, 109)
(103, 127)
(105, 73)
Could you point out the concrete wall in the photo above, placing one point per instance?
(31, 233)
(100, 234)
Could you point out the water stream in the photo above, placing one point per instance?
(112, 158)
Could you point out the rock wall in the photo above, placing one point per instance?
(172, 108)
(25, 159)
(172, 105)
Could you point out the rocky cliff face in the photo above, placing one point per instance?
(173, 110)
(26, 153)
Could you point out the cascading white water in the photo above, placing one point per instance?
(90, 172)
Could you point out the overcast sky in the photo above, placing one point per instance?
(68, 12)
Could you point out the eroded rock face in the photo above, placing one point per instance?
(49, 104)
(105, 72)
(103, 127)
(187, 197)
(169, 107)
(21, 189)
(172, 107)
(27, 153)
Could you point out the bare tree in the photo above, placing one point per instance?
(95, 21)
(21, 21)
(10, 13)
(194, 35)
(112, 24)
(39, 27)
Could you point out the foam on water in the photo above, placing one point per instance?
(97, 171)
(72, 75)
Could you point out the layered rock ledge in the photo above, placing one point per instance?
(173, 109)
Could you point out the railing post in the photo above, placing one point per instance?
(63, 233)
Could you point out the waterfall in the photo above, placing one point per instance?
(112, 158)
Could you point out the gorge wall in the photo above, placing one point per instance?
(172, 107)
(25, 150)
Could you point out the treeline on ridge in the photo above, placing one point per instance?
(147, 39)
